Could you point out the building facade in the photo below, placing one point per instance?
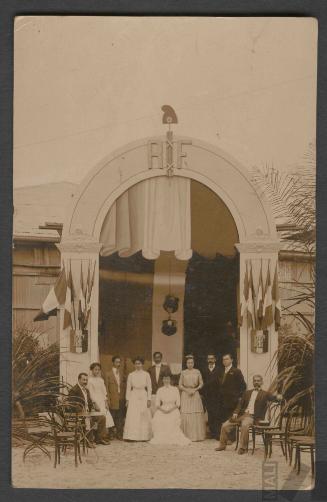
(74, 238)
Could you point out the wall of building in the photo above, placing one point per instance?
(35, 268)
(37, 264)
(296, 280)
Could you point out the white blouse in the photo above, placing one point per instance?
(97, 388)
(168, 396)
(139, 380)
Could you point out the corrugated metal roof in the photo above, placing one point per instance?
(35, 205)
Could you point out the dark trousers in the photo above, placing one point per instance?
(100, 432)
(213, 419)
(118, 416)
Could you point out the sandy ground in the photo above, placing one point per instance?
(142, 465)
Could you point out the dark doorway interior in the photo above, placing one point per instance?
(210, 302)
(125, 308)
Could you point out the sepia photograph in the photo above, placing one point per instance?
(164, 243)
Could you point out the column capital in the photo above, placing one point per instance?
(258, 247)
(78, 242)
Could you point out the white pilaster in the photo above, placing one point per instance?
(260, 253)
(80, 250)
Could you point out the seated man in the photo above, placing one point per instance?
(79, 396)
(250, 409)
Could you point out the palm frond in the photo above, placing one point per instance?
(35, 371)
(292, 196)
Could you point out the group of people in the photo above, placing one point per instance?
(147, 406)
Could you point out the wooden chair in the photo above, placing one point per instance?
(86, 432)
(279, 434)
(293, 426)
(72, 415)
(272, 423)
(35, 432)
(66, 434)
(65, 439)
(305, 444)
(300, 428)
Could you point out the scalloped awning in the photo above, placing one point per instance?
(152, 216)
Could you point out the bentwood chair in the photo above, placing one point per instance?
(66, 433)
(271, 423)
(73, 415)
(36, 432)
(278, 434)
(86, 429)
(305, 444)
(64, 440)
(300, 428)
(251, 435)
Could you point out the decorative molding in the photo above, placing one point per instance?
(263, 246)
(167, 154)
(78, 242)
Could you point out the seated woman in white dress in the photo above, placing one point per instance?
(166, 422)
(138, 402)
(98, 393)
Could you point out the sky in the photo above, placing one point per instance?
(84, 86)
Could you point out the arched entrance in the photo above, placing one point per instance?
(146, 159)
(135, 277)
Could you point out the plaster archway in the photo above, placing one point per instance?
(198, 160)
(145, 159)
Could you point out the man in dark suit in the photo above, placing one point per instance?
(232, 386)
(116, 386)
(80, 399)
(211, 393)
(156, 374)
(251, 409)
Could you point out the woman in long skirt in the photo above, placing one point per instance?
(98, 393)
(138, 402)
(192, 413)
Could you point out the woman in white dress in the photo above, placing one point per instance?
(166, 422)
(138, 402)
(98, 393)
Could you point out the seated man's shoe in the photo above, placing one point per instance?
(241, 451)
(221, 447)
